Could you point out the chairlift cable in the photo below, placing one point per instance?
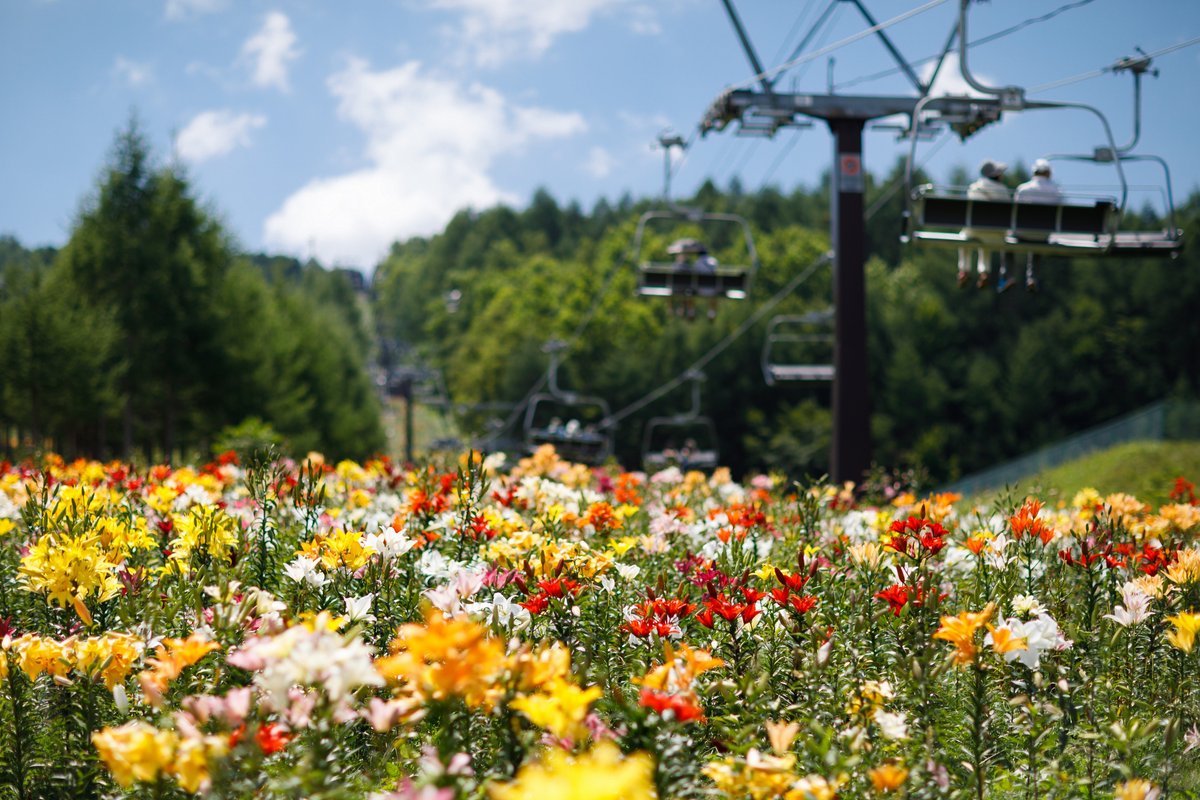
(686, 148)
(804, 59)
(1083, 76)
(882, 200)
(800, 18)
(1045, 87)
(746, 156)
(783, 153)
(991, 37)
(796, 138)
(822, 39)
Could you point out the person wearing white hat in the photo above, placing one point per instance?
(988, 187)
(1038, 189)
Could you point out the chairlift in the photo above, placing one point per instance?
(787, 336)
(690, 271)
(1076, 225)
(688, 439)
(573, 423)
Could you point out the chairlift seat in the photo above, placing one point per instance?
(799, 372)
(584, 447)
(813, 328)
(1066, 229)
(667, 279)
(696, 459)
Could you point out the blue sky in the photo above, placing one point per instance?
(325, 128)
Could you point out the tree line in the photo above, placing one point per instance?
(959, 378)
(149, 334)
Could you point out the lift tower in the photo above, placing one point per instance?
(761, 110)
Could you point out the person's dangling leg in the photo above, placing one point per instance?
(1003, 284)
(964, 258)
(1031, 283)
(985, 268)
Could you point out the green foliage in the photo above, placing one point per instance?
(248, 438)
(147, 330)
(1146, 470)
(959, 379)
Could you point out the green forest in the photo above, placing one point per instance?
(150, 334)
(960, 379)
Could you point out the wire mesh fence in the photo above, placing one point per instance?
(1163, 420)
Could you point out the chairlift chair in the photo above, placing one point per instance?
(811, 332)
(1075, 226)
(690, 274)
(694, 452)
(569, 421)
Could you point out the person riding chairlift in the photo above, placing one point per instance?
(692, 256)
(988, 187)
(1039, 189)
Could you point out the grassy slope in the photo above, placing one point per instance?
(1146, 470)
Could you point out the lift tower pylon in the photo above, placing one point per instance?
(765, 110)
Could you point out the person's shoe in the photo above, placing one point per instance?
(1031, 284)
(1003, 285)
(984, 279)
(963, 277)
(712, 313)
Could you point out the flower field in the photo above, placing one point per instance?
(546, 630)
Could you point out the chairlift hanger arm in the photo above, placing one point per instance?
(1137, 65)
(1011, 96)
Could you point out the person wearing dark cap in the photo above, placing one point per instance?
(691, 255)
(1039, 189)
(988, 187)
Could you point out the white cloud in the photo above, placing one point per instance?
(643, 122)
(950, 79)
(270, 51)
(599, 163)
(182, 9)
(214, 133)
(430, 143)
(643, 20)
(498, 30)
(132, 73)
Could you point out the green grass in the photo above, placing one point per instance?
(1146, 470)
